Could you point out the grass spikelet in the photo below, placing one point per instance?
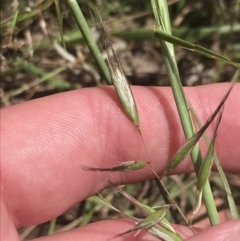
(189, 145)
(127, 166)
(147, 223)
(119, 80)
(205, 168)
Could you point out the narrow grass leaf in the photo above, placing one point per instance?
(25, 16)
(14, 21)
(59, 18)
(193, 47)
(52, 226)
(189, 145)
(44, 77)
(106, 203)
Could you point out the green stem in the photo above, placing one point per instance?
(83, 26)
(160, 9)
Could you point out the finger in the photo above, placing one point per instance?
(227, 231)
(98, 231)
(46, 142)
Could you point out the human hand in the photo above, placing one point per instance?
(46, 141)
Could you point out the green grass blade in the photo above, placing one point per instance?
(160, 10)
(87, 35)
(24, 16)
(193, 47)
(192, 35)
(45, 76)
(172, 69)
(52, 226)
(14, 22)
(59, 18)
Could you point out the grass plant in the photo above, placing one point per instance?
(42, 77)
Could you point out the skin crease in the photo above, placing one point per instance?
(45, 142)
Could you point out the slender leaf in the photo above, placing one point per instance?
(14, 21)
(24, 16)
(59, 18)
(193, 47)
